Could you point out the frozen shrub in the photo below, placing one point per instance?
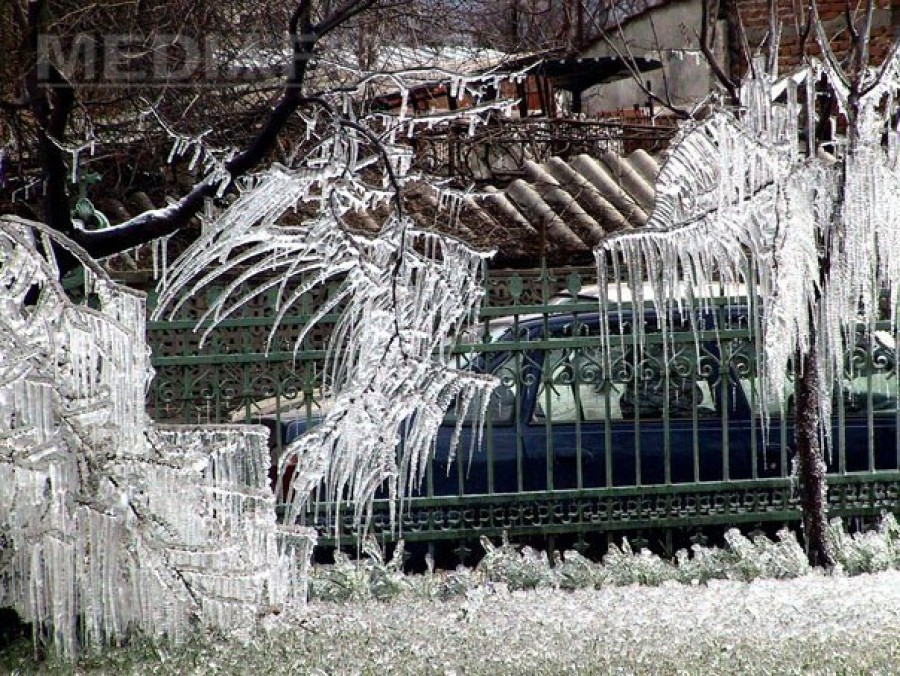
(574, 571)
(867, 551)
(527, 569)
(762, 558)
(457, 583)
(368, 577)
(344, 580)
(702, 564)
(624, 567)
(508, 566)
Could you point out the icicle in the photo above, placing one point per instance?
(198, 149)
(74, 177)
(156, 245)
(173, 151)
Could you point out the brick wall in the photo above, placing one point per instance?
(754, 15)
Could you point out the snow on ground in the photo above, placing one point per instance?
(813, 624)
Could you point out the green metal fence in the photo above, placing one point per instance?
(658, 443)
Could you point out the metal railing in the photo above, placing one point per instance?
(499, 150)
(657, 443)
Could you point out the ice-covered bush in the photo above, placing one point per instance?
(622, 566)
(759, 557)
(523, 568)
(515, 568)
(867, 551)
(111, 524)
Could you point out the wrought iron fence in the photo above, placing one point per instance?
(665, 442)
(499, 150)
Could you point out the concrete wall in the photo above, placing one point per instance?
(667, 34)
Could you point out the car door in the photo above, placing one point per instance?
(865, 413)
(649, 416)
(488, 459)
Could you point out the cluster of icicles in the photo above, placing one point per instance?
(108, 523)
(403, 296)
(743, 203)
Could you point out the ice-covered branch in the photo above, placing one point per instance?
(403, 296)
(739, 201)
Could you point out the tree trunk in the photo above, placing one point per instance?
(810, 459)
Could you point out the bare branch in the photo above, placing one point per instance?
(51, 102)
(774, 38)
(862, 44)
(851, 24)
(342, 14)
(161, 222)
(745, 44)
(19, 15)
(626, 56)
(706, 48)
(802, 26)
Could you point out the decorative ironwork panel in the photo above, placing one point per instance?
(498, 151)
(618, 510)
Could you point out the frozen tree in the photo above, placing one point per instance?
(110, 524)
(403, 293)
(750, 196)
(89, 98)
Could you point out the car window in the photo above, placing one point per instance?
(667, 384)
(574, 387)
(866, 370)
(855, 395)
(870, 376)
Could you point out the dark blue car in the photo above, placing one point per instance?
(563, 419)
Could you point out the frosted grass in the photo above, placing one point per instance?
(752, 607)
(811, 624)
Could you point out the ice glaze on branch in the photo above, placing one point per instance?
(150, 225)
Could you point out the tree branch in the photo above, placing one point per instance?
(774, 39)
(157, 223)
(345, 12)
(626, 56)
(51, 99)
(804, 30)
(705, 47)
(861, 44)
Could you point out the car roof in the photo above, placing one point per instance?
(557, 320)
(622, 292)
